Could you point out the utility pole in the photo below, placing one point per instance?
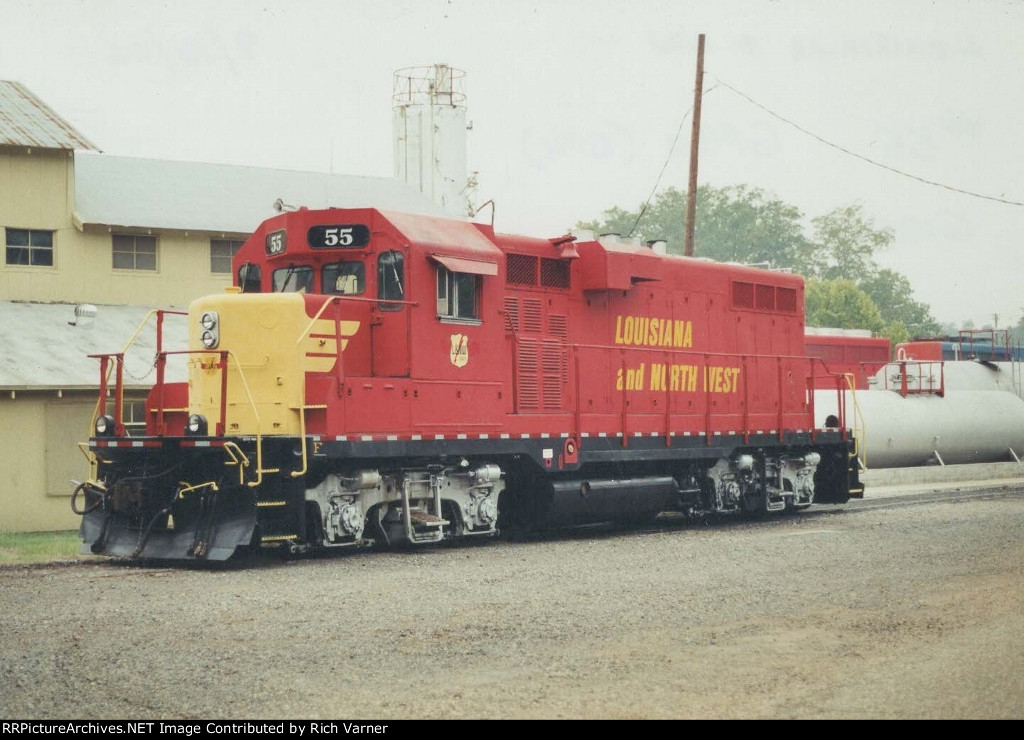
(691, 191)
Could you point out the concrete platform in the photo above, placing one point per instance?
(892, 481)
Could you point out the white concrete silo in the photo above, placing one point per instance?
(429, 124)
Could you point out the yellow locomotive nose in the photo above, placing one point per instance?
(252, 353)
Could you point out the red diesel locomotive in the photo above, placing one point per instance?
(380, 377)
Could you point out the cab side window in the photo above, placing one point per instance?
(390, 280)
(249, 279)
(457, 295)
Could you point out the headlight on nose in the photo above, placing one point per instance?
(104, 426)
(196, 426)
(210, 325)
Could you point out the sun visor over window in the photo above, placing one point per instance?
(461, 264)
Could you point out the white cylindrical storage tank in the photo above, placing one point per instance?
(429, 126)
(978, 376)
(963, 426)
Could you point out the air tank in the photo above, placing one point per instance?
(978, 419)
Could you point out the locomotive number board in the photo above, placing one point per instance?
(335, 236)
(276, 243)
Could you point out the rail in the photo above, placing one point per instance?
(113, 363)
(915, 377)
(859, 427)
(706, 374)
(987, 344)
(339, 370)
(226, 360)
(105, 370)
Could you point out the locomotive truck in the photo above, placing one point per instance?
(382, 378)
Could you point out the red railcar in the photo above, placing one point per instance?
(855, 356)
(379, 377)
(982, 345)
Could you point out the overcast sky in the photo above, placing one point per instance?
(575, 104)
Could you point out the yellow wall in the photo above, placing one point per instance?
(35, 456)
(36, 193)
(35, 188)
(38, 430)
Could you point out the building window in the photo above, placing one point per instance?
(134, 252)
(133, 414)
(456, 294)
(29, 247)
(221, 253)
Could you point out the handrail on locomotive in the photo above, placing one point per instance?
(841, 381)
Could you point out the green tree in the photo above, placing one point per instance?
(748, 225)
(892, 293)
(897, 332)
(840, 304)
(617, 221)
(734, 224)
(845, 245)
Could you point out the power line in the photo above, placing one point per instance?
(862, 157)
(668, 159)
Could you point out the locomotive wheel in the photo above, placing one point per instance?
(456, 528)
(314, 525)
(374, 529)
(756, 505)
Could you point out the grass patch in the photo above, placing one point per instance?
(38, 547)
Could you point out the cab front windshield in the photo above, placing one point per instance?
(344, 278)
(294, 279)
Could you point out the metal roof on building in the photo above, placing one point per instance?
(43, 351)
(193, 196)
(25, 120)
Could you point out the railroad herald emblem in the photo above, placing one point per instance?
(460, 350)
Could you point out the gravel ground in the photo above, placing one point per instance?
(905, 612)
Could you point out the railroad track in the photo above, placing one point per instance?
(673, 522)
(930, 496)
(669, 522)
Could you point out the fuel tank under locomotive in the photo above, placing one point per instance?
(609, 500)
(745, 482)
